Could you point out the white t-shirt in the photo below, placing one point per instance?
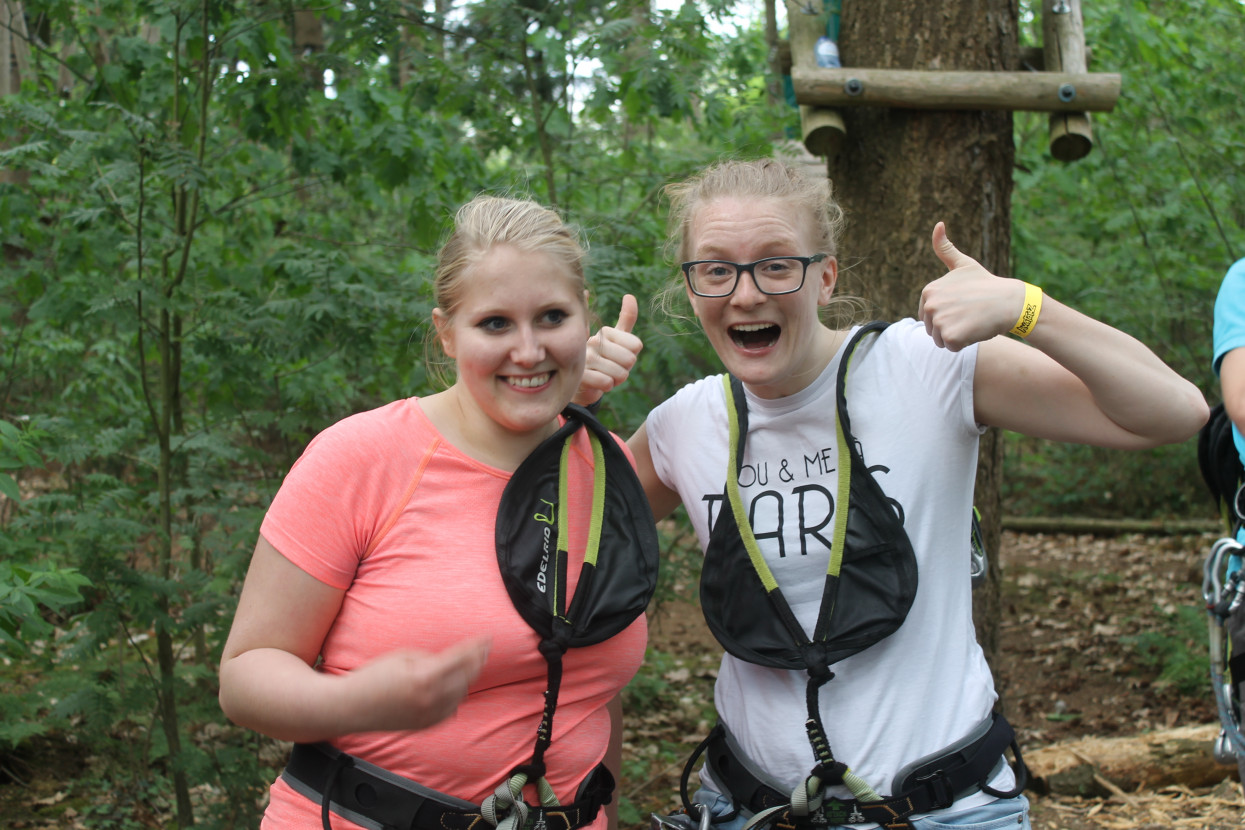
(911, 409)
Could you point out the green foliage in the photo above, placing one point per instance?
(1179, 653)
(1051, 479)
(220, 245)
(1140, 232)
(17, 450)
(25, 595)
(219, 242)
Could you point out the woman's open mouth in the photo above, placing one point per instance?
(754, 335)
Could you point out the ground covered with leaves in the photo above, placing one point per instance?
(1099, 636)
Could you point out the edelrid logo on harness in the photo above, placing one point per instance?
(542, 576)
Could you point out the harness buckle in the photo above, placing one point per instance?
(940, 789)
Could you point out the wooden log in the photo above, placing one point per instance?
(1105, 766)
(1111, 527)
(1063, 38)
(914, 89)
(1032, 58)
(821, 128)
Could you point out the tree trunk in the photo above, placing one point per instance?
(901, 171)
(308, 37)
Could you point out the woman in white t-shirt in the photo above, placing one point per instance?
(757, 243)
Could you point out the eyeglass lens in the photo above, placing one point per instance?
(717, 278)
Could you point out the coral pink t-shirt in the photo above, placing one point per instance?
(382, 506)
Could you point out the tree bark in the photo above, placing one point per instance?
(308, 37)
(901, 171)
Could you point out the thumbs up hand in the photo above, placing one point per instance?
(612, 353)
(968, 304)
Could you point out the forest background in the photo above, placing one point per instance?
(218, 224)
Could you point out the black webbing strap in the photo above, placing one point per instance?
(375, 797)
(553, 649)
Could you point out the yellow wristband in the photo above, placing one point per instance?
(1029, 314)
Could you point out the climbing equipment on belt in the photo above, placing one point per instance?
(616, 581)
(1223, 583)
(978, 559)
(930, 783)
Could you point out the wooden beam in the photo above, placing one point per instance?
(1032, 58)
(1111, 527)
(1063, 36)
(914, 89)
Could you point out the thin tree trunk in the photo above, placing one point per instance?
(901, 171)
(308, 43)
(14, 60)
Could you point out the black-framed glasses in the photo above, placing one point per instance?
(772, 275)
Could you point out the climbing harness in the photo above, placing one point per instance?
(872, 565)
(871, 561)
(375, 798)
(618, 576)
(616, 581)
(930, 783)
(1223, 584)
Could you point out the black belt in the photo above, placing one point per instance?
(934, 785)
(378, 799)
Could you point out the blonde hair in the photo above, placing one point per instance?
(767, 178)
(483, 224)
(808, 196)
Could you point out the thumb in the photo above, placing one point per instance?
(950, 255)
(466, 657)
(628, 313)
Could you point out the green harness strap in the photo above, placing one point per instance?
(616, 581)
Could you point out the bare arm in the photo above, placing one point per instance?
(661, 498)
(1232, 381)
(1074, 379)
(267, 679)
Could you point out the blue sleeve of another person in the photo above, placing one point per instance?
(1229, 331)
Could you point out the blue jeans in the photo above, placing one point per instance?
(1004, 814)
